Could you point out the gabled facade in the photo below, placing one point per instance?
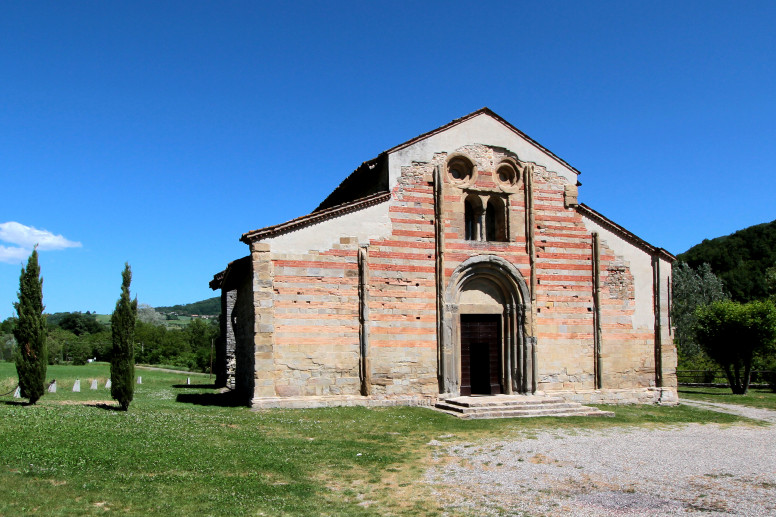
(459, 262)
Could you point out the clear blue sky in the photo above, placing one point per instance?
(158, 132)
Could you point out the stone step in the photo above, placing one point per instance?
(505, 406)
(558, 406)
(530, 414)
(505, 400)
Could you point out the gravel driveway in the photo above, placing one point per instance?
(687, 469)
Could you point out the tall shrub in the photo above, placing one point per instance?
(732, 333)
(30, 332)
(122, 363)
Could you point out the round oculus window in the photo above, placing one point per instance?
(507, 175)
(460, 169)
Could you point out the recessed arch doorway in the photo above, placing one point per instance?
(486, 346)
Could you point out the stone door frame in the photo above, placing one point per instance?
(518, 346)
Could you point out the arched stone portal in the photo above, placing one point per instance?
(486, 292)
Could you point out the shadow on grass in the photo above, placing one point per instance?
(16, 403)
(715, 393)
(106, 407)
(198, 386)
(225, 399)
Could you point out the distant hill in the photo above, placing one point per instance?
(211, 307)
(739, 259)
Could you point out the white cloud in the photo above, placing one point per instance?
(13, 255)
(25, 237)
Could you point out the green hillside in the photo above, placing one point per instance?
(739, 259)
(211, 306)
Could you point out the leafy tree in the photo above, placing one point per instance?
(122, 364)
(692, 289)
(78, 323)
(148, 314)
(732, 333)
(99, 344)
(7, 341)
(30, 332)
(770, 281)
(8, 325)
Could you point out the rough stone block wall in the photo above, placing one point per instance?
(402, 302)
(227, 364)
(564, 290)
(264, 318)
(316, 339)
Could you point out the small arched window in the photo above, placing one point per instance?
(472, 218)
(495, 220)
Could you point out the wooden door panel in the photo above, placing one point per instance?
(480, 354)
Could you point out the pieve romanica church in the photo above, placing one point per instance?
(457, 263)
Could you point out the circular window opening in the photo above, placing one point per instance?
(507, 175)
(460, 169)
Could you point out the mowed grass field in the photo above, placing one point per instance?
(184, 450)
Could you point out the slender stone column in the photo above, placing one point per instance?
(658, 322)
(439, 271)
(598, 362)
(365, 362)
(508, 348)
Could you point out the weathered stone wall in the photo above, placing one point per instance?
(316, 338)
(564, 290)
(225, 353)
(402, 302)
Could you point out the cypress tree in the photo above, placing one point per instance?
(122, 362)
(30, 333)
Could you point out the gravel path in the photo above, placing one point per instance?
(679, 470)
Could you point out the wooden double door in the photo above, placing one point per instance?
(480, 354)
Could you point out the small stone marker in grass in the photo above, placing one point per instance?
(77, 385)
(188, 380)
(107, 383)
(94, 384)
(53, 386)
(139, 380)
(18, 393)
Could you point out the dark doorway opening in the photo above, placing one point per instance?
(480, 354)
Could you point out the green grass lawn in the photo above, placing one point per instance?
(755, 397)
(182, 450)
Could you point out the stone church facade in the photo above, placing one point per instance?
(459, 262)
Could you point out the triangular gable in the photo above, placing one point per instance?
(482, 111)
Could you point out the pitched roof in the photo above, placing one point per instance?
(315, 217)
(615, 228)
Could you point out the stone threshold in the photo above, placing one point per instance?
(319, 401)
